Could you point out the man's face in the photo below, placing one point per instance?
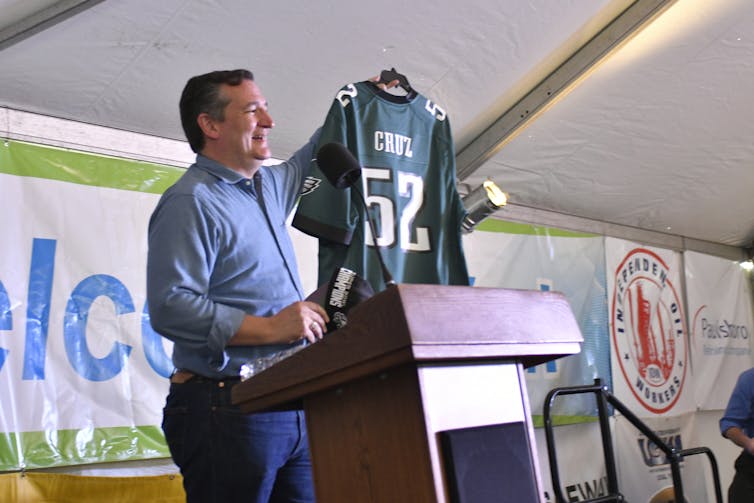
(243, 133)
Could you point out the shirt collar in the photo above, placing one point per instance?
(216, 169)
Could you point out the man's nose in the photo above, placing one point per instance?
(265, 120)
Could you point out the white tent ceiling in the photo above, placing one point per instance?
(655, 136)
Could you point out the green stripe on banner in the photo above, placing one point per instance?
(8, 452)
(42, 449)
(495, 225)
(38, 161)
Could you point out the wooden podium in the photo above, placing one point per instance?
(421, 397)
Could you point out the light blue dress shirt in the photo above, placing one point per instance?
(740, 409)
(213, 257)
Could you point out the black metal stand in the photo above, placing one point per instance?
(604, 397)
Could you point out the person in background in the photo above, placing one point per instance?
(737, 425)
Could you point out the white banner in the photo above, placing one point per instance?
(83, 377)
(644, 472)
(648, 332)
(507, 255)
(76, 283)
(581, 471)
(720, 314)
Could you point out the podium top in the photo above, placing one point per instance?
(422, 323)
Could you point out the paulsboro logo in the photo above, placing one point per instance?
(649, 331)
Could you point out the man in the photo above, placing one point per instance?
(737, 425)
(222, 284)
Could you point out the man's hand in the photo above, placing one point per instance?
(740, 438)
(300, 320)
(749, 447)
(384, 86)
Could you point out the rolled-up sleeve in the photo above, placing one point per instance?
(740, 410)
(179, 264)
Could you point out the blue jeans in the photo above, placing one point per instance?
(227, 456)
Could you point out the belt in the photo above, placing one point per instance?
(181, 376)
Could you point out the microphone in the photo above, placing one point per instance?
(339, 165)
(342, 170)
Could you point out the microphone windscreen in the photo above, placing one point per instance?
(338, 164)
(345, 290)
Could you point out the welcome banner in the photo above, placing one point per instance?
(82, 374)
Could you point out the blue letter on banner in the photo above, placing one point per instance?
(38, 307)
(6, 319)
(74, 331)
(153, 349)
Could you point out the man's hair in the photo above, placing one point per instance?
(202, 95)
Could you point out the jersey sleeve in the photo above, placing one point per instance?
(446, 211)
(324, 211)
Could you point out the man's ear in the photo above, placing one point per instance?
(207, 125)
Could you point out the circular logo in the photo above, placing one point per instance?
(339, 319)
(649, 330)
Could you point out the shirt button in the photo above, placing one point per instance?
(248, 182)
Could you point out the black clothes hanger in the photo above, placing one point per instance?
(387, 76)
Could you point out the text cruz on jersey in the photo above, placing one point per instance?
(394, 143)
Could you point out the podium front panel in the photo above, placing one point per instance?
(478, 394)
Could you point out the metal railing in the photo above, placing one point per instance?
(604, 397)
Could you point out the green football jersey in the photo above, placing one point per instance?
(408, 181)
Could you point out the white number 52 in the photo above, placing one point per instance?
(410, 186)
